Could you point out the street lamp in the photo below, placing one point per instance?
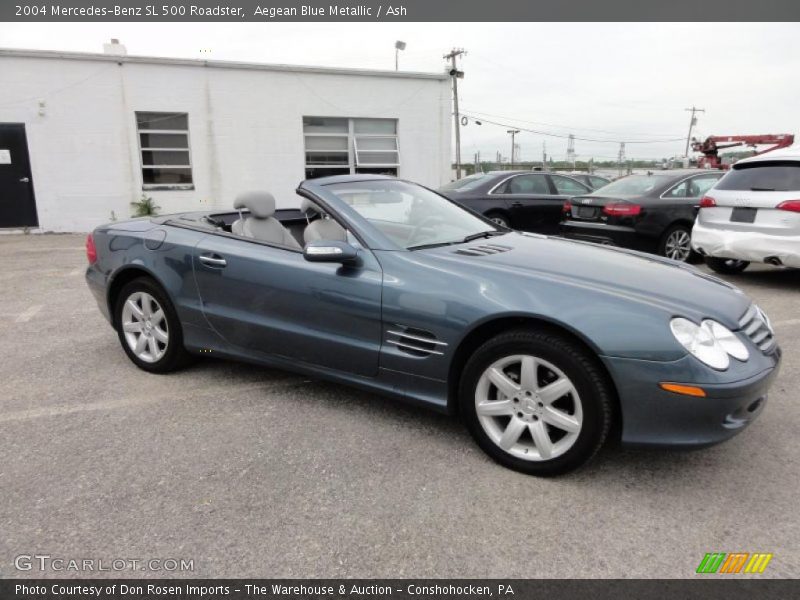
(398, 45)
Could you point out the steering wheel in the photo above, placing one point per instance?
(426, 222)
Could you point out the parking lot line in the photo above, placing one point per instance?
(28, 314)
(60, 410)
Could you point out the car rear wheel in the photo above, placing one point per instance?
(536, 402)
(676, 243)
(499, 219)
(726, 266)
(148, 327)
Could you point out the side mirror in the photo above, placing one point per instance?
(329, 251)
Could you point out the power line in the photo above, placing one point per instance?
(569, 127)
(566, 136)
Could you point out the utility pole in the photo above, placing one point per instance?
(455, 75)
(544, 156)
(621, 157)
(513, 133)
(571, 150)
(692, 123)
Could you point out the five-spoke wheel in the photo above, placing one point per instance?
(145, 326)
(536, 401)
(148, 327)
(528, 407)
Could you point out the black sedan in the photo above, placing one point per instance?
(652, 212)
(524, 200)
(593, 181)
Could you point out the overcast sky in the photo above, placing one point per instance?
(602, 81)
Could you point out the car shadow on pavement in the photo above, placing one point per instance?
(612, 464)
(768, 277)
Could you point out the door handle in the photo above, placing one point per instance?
(25, 180)
(213, 260)
(517, 205)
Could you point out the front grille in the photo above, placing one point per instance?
(755, 325)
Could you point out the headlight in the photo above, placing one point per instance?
(727, 339)
(700, 343)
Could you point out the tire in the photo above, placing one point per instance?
(726, 266)
(676, 243)
(499, 219)
(587, 405)
(162, 350)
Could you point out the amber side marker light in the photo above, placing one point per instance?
(685, 390)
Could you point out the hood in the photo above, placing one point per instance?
(675, 287)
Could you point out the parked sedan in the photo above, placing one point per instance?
(653, 212)
(387, 286)
(752, 214)
(523, 200)
(593, 181)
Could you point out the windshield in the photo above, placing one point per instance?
(636, 185)
(778, 176)
(410, 215)
(467, 183)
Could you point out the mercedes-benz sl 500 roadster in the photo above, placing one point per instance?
(545, 347)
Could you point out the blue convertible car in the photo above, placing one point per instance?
(544, 346)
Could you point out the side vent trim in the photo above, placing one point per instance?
(415, 342)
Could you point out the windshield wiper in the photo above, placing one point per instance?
(434, 245)
(469, 238)
(483, 234)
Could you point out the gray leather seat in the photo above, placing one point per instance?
(260, 224)
(323, 228)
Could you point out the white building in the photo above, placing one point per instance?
(100, 130)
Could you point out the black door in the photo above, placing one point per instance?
(530, 201)
(17, 204)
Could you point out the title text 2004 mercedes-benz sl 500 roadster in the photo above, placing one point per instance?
(543, 345)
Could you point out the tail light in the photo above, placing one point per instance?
(707, 202)
(567, 207)
(621, 209)
(791, 205)
(91, 251)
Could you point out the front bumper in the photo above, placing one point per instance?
(609, 235)
(652, 416)
(746, 245)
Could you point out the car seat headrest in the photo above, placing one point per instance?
(261, 204)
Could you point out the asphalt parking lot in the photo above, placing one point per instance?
(252, 472)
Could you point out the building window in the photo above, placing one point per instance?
(164, 149)
(340, 146)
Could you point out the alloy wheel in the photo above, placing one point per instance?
(528, 407)
(145, 327)
(678, 245)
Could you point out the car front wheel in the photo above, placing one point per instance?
(536, 402)
(499, 219)
(726, 266)
(148, 327)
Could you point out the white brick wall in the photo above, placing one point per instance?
(245, 126)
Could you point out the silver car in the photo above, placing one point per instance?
(752, 214)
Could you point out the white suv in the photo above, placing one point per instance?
(752, 214)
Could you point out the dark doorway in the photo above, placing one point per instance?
(17, 203)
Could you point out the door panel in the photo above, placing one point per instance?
(529, 199)
(263, 298)
(17, 204)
